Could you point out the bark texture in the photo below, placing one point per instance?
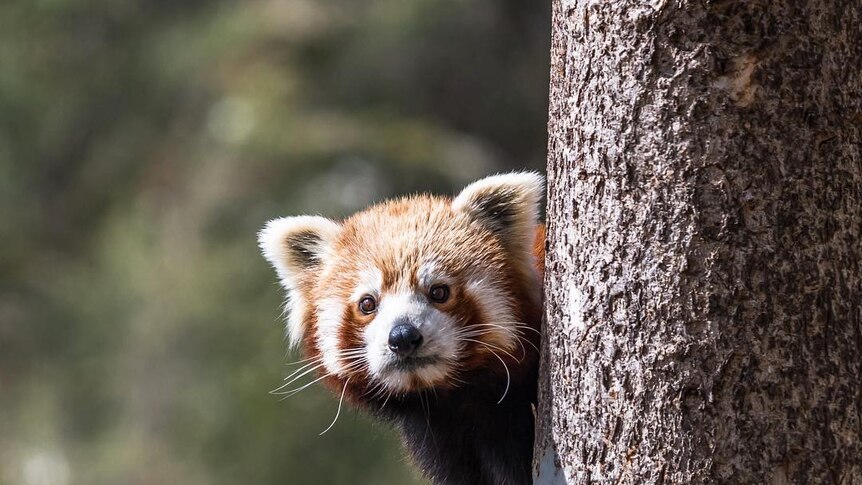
(704, 264)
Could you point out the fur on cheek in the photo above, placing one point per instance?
(496, 317)
(330, 312)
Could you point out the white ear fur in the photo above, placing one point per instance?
(507, 204)
(295, 247)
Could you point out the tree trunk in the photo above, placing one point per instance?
(704, 264)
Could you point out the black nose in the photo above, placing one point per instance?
(404, 339)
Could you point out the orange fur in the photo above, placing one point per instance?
(478, 350)
(415, 227)
(539, 249)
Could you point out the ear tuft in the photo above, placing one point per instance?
(506, 204)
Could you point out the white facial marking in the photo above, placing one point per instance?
(329, 320)
(330, 313)
(295, 308)
(496, 310)
(438, 334)
(429, 275)
(370, 283)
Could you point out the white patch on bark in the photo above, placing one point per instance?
(549, 471)
(739, 80)
(575, 302)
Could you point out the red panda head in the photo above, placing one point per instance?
(413, 293)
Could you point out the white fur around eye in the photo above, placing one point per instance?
(429, 274)
(439, 340)
(370, 282)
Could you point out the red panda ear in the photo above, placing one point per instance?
(296, 247)
(507, 204)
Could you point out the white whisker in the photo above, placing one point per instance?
(521, 325)
(293, 392)
(388, 395)
(339, 353)
(338, 411)
(486, 344)
(508, 377)
(298, 377)
(316, 363)
(351, 366)
(515, 330)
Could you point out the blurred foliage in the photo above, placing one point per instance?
(144, 142)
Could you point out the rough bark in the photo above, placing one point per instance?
(704, 264)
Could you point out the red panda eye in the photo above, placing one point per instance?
(367, 304)
(439, 293)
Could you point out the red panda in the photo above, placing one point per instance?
(425, 312)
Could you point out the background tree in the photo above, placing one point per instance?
(705, 240)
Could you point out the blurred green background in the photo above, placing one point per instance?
(142, 145)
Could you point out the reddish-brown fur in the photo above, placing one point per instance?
(359, 243)
(465, 415)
